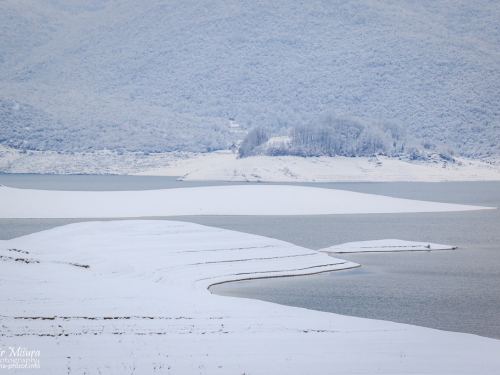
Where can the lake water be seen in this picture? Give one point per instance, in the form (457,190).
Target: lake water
(450,290)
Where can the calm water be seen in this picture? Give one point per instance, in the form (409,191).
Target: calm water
(451,290)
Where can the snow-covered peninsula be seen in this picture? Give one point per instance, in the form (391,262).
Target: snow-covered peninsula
(131,297)
(382,246)
(213,200)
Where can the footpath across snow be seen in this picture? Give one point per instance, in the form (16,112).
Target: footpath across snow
(214,200)
(130,297)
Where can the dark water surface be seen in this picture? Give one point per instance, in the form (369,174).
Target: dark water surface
(451,290)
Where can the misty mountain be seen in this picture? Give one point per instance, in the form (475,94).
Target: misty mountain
(168,75)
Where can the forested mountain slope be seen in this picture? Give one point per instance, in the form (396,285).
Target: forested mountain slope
(168,75)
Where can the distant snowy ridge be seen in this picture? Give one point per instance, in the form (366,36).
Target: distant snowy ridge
(165,76)
(389,245)
(141,305)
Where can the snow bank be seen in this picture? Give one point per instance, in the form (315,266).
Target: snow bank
(222,166)
(214,200)
(389,245)
(131,297)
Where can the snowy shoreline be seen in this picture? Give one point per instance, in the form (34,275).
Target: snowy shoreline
(135,298)
(224,166)
(212,200)
(349,267)
(384,246)
(133,295)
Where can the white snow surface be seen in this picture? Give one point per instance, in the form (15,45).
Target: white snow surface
(224,166)
(387,245)
(213,200)
(142,306)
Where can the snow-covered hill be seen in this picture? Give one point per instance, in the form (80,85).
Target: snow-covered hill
(162,76)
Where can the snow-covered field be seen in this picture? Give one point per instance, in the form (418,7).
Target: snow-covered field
(213,200)
(389,245)
(224,166)
(130,297)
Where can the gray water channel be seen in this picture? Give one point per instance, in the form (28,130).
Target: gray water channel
(451,290)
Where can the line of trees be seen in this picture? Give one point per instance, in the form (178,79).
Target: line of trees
(333,136)
(348,137)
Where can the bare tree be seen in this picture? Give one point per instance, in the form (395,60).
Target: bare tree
(254,139)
